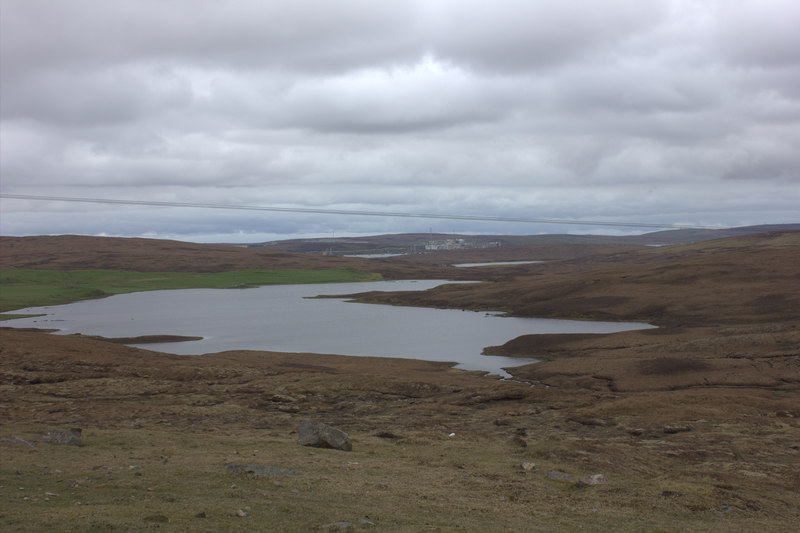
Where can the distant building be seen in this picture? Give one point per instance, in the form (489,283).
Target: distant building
(457,244)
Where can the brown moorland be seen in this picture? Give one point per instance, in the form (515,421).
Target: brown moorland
(694,425)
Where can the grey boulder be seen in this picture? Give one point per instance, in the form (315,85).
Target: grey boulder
(319,435)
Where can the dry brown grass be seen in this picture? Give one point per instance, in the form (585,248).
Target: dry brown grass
(696,427)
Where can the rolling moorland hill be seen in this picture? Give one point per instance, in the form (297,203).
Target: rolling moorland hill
(694,425)
(78,252)
(747,279)
(402,243)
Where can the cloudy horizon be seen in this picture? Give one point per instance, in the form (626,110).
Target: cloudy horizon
(666,112)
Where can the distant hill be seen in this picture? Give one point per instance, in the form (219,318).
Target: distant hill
(681,236)
(407,242)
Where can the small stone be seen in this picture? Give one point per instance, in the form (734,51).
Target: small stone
(240,513)
(261,470)
(528,466)
(594,479)
(282,398)
(673,429)
(338,526)
(518,441)
(71,437)
(560,476)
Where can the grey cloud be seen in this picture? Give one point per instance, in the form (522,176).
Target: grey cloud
(426,96)
(640,87)
(93,97)
(304,34)
(670,111)
(759,32)
(521,35)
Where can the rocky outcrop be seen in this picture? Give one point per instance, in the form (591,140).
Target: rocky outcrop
(321,435)
(71,437)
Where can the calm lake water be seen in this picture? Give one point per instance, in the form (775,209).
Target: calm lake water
(284,318)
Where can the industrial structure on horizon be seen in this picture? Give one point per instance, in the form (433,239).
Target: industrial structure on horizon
(458,244)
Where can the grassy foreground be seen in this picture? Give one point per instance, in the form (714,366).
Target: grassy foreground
(20,288)
(131,480)
(434,449)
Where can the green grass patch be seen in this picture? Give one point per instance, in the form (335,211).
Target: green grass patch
(33,288)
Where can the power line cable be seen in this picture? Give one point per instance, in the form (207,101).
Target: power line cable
(350,212)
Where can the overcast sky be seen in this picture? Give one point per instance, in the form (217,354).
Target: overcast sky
(654,111)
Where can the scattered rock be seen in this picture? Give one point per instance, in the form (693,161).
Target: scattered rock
(71,437)
(528,467)
(337,526)
(560,476)
(477,398)
(753,475)
(671,430)
(319,435)
(240,513)
(282,398)
(594,479)
(362,524)
(16,440)
(518,441)
(261,470)
(590,421)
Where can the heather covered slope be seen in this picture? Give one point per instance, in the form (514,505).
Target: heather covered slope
(79,252)
(728,311)
(695,425)
(433,448)
(748,279)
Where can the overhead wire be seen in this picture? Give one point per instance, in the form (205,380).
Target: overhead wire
(352,212)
